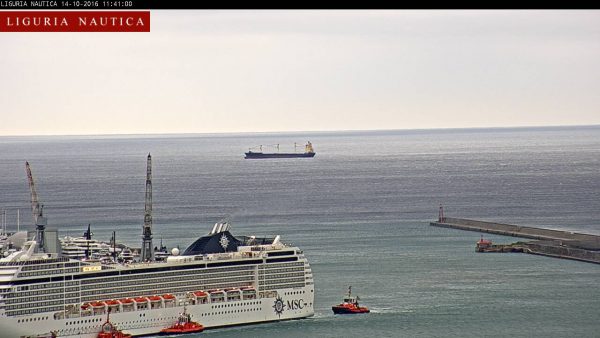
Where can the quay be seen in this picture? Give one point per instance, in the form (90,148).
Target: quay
(547,242)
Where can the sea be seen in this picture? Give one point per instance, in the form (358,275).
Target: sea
(360,211)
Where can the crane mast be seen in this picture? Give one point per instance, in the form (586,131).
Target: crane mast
(147,249)
(37,212)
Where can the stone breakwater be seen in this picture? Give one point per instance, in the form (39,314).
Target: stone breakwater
(548,242)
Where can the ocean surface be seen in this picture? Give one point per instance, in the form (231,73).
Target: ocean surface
(360,210)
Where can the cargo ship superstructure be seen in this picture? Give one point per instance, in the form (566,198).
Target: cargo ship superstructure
(220,280)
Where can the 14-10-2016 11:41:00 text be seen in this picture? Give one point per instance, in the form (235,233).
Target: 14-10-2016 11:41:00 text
(97,4)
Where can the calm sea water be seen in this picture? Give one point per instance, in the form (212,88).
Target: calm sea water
(360,211)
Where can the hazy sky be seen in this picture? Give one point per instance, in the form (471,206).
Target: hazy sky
(233,71)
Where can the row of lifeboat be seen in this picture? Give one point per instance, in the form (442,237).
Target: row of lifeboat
(220,295)
(169,299)
(127,303)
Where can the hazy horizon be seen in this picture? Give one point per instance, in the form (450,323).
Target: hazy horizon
(215,71)
(549,127)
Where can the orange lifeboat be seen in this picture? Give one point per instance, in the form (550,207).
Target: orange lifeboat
(97,304)
(113,305)
(140,299)
(168,296)
(183,325)
(126,301)
(200,294)
(155,298)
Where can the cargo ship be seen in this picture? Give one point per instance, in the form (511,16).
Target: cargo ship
(308,152)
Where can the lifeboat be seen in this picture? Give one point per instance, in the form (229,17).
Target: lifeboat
(155,298)
(97,304)
(233,294)
(127,304)
(140,299)
(168,296)
(350,305)
(113,305)
(200,294)
(199,297)
(248,292)
(183,325)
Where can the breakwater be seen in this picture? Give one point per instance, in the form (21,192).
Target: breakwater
(548,242)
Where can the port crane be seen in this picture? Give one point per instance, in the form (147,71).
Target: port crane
(147,248)
(37,212)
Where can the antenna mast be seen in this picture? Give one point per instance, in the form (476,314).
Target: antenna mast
(37,211)
(147,249)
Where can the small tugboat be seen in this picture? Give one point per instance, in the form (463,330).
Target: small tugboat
(184,324)
(350,305)
(110,331)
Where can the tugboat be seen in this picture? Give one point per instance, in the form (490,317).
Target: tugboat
(350,305)
(110,331)
(184,324)
(308,152)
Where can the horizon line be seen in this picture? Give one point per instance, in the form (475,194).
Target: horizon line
(309,131)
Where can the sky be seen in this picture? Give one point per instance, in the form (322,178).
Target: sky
(263,71)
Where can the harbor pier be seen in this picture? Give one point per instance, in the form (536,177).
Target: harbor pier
(547,242)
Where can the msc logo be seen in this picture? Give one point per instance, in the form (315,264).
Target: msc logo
(295,304)
(279,306)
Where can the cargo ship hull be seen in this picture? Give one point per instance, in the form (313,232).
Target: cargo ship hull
(253,155)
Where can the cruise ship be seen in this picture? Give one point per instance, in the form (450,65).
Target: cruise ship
(221,280)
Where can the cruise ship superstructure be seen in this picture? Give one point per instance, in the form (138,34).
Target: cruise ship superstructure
(221,280)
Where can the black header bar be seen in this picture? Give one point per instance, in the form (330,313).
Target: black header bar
(180,4)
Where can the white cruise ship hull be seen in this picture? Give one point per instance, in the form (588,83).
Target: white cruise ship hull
(297,304)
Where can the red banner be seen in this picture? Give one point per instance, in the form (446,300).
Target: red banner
(70,21)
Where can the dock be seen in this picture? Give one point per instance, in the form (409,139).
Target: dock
(547,242)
